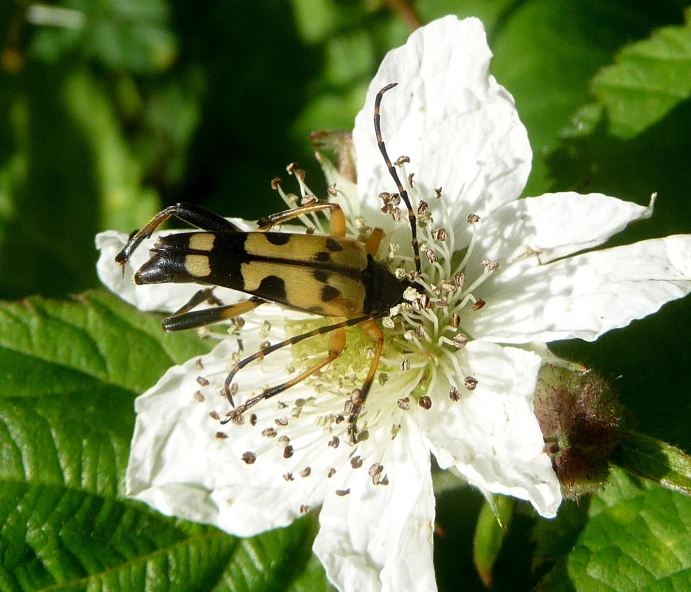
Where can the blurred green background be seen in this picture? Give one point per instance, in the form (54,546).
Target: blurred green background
(112,109)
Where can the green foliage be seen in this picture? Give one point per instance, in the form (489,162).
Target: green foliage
(650,78)
(637,538)
(154,101)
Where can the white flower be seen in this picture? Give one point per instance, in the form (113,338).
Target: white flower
(461,361)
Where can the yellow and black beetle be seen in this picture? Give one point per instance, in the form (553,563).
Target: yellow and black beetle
(332,276)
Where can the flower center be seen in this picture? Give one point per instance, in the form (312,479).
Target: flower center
(428,328)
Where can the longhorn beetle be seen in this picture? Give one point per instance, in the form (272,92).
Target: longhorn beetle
(332,276)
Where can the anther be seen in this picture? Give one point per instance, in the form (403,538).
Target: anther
(460,340)
(249,458)
(425,402)
(479,303)
(473,218)
(470,383)
(375,469)
(454,395)
(440,234)
(265,329)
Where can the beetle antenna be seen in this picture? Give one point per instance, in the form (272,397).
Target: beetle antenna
(401,190)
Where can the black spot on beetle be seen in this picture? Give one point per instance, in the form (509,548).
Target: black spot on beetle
(329,293)
(272,287)
(277,238)
(320,275)
(322,257)
(333,245)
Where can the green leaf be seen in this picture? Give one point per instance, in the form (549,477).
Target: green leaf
(71,371)
(491,529)
(649,79)
(638,537)
(655,460)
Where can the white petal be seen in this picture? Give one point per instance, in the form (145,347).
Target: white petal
(180,466)
(586,295)
(458,126)
(534,231)
(161,297)
(492,435)
(380,537)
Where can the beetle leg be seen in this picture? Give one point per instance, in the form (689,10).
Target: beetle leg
(336,217)
(190,213)
(200,296)
(359,396)
(180,321)
(373,241)
(335,346)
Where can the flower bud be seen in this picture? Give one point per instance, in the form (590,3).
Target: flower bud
(580,419)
